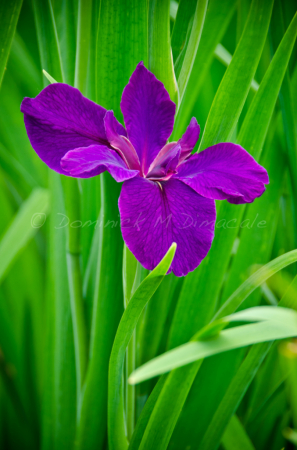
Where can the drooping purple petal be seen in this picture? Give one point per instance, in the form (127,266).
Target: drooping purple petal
(224,171)
(91,161)
(148,114)
(153,215)
(60,119)
(119,142)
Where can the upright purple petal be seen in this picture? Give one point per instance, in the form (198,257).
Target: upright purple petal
(189,139)
(60,119)
(153,215)
(165,165)
(120,142)
(224,171)
(183,147)
(91,161)
(148,113)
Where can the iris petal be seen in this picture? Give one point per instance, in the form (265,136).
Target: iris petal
(119,142)
(153,215)
(165,165)
(148,114)
(60,119)
(189,139)
(224,171)
(91,161)
(183,147)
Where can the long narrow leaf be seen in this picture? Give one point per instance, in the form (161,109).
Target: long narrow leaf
(228,308)
(237,337)
(251,137)
(123,336)
(29,218)
(231,95)
(159,49)
(236,437)
(246,372)
(9,14)
(217,19)
(192,46)
(117,55)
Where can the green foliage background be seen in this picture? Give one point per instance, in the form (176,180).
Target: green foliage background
(78,314)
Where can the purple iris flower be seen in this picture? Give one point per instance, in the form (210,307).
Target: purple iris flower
(168,193)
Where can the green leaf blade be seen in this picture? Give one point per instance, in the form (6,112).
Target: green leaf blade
(123,336)
(29,218)
(9,14)
(233,90)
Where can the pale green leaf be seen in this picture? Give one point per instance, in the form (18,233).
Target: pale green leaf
(30,217)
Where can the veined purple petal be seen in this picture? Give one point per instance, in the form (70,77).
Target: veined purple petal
(60,119)
(119,142)
(224,171)
(153,215)
(148,113)
(91,161)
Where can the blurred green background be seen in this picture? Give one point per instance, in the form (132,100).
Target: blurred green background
(95,45)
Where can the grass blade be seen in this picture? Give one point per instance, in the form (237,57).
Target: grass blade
(236,437)
(83,44)
(129,37)
(159,48)
(228,308)
(236,299)
(192,46)
(105,318)
(49,48)
(24,226)
(235,393)
(257,133)
(49,77)
(130,267)
(125,330)
(117,55)
(278,327)
(24,67)
(183,22)
(247,370)
(225,57)
(58,428)
(233,90)
(217,19)
(66,14)
(252,136)
(256,237)
(9,14)
(10,364)
(286,103)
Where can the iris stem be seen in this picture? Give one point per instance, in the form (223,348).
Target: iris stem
(79,331)
(130,406)
(130,360)
(72,204)
(71,193)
